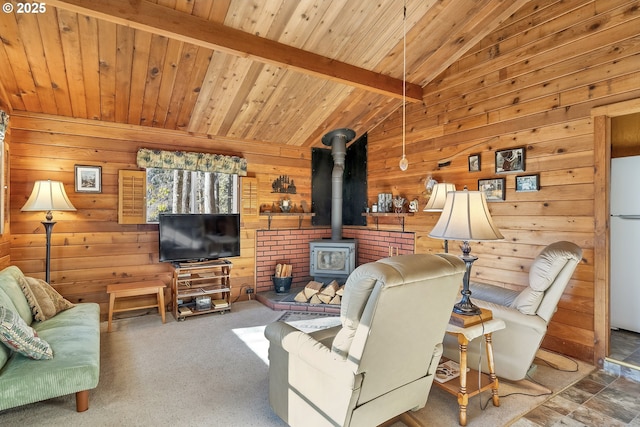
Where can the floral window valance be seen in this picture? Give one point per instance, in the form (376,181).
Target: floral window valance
(202,162)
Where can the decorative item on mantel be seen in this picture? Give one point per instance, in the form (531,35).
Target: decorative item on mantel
(285,205)
(384,202)
(283,184)
(398,204)
(413,206)
(429,183)
(301,208)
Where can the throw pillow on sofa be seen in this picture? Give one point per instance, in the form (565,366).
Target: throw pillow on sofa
(19,336)
(44,300)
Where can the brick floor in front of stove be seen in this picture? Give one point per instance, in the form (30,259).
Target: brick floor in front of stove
(276,301)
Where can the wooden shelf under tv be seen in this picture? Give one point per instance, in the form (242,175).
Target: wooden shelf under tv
(194,279)
(195,292)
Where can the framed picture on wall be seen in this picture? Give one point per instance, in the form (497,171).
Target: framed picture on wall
(493,188)
(474,163)
(88,179)
(511,160)
(528,182)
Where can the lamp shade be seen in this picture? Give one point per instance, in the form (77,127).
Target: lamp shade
(48,196)
(438,197)
(466,217)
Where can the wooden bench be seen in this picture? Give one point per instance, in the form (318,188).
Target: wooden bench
(135,289)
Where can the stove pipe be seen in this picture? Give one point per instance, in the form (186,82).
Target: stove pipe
(337,140)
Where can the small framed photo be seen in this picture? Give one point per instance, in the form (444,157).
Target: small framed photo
(494,189)
(528,182)
(511,160)
(88,179)
(474,163)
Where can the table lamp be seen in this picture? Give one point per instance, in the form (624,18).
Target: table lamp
(466,217)
(48,196)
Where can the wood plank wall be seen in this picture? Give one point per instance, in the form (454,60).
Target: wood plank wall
(89,248)
(531,83)
(5,236)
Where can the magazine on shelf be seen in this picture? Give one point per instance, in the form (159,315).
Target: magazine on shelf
(184,310)
(220,303)
(447,370)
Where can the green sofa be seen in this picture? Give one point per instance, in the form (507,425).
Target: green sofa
(74,338)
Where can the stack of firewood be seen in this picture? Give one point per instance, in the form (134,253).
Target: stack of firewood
(283,270)
(317,293)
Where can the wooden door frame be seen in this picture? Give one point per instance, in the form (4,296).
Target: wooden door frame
(601,246)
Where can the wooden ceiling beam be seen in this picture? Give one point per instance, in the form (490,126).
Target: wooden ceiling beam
(173,24)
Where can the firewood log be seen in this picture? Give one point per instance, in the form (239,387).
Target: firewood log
(301,297)
(340,290)
(315,299)
(330,289)
(336,300)
(324,298)
(312,288)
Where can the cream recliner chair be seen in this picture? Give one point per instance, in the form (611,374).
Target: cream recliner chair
(526,313)
(381,360)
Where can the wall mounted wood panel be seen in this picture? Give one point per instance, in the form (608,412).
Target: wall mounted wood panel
(531,83)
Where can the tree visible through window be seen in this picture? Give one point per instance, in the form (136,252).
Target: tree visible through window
(182,191)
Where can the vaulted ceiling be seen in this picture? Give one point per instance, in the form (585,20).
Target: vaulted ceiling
(272,71)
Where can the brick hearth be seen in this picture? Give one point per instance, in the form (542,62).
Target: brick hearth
(291,246)
(277,301)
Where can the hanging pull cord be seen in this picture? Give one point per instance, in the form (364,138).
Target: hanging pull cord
(404,163)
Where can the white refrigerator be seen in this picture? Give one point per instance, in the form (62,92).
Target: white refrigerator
(625,241)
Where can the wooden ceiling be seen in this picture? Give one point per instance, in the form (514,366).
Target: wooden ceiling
(272,71)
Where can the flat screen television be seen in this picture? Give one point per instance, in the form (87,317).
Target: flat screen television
(198,237)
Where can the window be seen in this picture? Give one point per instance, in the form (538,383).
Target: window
(183,191)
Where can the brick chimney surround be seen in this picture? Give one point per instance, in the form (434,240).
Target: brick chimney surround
(292,247)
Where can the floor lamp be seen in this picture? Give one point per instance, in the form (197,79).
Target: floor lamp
(466,217)
(48,196)
(436,202)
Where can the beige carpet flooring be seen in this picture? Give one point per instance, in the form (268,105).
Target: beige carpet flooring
(212,371)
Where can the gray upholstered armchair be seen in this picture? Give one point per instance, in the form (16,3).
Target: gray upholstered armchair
(525,313)
(381,360)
